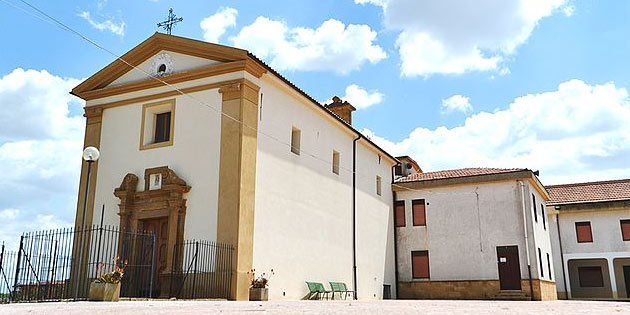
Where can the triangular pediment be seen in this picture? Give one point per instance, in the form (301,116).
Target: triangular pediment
(183,54)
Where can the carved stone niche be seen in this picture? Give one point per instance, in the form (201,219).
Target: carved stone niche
(160,208)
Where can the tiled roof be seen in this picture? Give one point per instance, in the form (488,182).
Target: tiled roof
(462,172)
(590,192)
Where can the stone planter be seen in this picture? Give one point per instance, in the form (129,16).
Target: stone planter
(258,294)
(104,291)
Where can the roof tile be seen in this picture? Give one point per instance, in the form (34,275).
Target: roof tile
(590,192)
(462,172)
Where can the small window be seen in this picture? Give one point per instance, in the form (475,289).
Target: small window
(535,211)
(419,212)
(157,124)
(625,230)
(335,162)
(295,140)
(583,232)
(399,213)
(162,127)
(544,217)
(549,265)
(591,277)
(378,185)
(420,264)
(540,263)
(162,68)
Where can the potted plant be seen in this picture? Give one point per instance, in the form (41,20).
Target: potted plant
(259,291)
(107,286)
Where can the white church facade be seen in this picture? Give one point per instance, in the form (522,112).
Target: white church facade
(202,141)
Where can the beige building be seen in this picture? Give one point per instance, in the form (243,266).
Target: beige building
(203,141)
(590,232)
(476,233)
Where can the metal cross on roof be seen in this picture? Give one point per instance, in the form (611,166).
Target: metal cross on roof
(170,21)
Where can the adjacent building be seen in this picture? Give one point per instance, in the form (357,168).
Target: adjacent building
(475,233)
(590,232)
(203,141)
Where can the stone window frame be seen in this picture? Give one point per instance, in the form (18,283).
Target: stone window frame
(151,110)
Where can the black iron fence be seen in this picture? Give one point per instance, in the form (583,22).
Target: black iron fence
(202,269)
(48,267)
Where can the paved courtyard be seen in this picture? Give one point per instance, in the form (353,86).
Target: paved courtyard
(321,307)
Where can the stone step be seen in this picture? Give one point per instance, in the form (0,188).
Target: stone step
(511,296)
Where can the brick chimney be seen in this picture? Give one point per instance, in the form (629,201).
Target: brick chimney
(343,109)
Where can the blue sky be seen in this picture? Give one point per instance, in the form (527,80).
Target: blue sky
(536,84)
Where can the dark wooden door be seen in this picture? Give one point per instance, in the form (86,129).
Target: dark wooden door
(509,267)
(626,277)
(159,227)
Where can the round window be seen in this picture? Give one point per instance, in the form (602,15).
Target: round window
(162,68)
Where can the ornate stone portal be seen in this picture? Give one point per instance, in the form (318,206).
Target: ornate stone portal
(161,209)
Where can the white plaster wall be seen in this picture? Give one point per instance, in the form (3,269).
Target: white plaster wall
(194,156)
(180,62)
(607,238)
(462,232)
(605,227)
(541,235)
(303,219)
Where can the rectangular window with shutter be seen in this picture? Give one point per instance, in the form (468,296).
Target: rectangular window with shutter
(625,230)
(591,277)
(399,213)
(544,216)
(549,265)
(420,264)
(419,212)
(583,231)
(534,205)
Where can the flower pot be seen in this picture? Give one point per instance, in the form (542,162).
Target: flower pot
(258,294)
(104,291)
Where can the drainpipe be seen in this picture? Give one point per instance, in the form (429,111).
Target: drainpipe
(354,214)
(529,265)
(564,277)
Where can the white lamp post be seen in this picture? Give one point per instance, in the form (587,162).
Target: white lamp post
(90,155)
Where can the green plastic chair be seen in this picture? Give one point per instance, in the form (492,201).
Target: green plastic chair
(316,288)
(341,288)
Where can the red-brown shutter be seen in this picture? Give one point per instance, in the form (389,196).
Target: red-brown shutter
(419,212)
(420,264)
(625,230)
(583,231)
(399,213)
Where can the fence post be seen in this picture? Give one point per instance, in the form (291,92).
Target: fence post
(17,265)
(153,266)
(195,269)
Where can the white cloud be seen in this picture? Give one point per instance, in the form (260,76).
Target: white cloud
(360,98)
(332,46)
(215,25)
(456,103)
(580,132)
(568,10)
(454,36)
(40,151)
(117,28)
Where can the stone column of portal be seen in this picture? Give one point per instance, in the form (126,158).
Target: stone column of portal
(237,179)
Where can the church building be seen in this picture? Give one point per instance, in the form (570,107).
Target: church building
(203,141)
